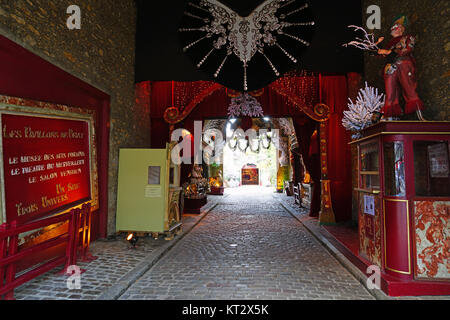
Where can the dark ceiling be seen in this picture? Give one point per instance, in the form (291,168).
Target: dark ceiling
(243,7)
(159,55)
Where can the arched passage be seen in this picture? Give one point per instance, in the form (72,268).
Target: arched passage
(179,104)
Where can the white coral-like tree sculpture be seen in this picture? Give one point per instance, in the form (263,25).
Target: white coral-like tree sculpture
(360,113)
(245,105)
(367,44)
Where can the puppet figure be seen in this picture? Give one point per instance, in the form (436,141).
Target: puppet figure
(400,73)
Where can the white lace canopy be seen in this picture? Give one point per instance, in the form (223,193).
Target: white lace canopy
(246,36)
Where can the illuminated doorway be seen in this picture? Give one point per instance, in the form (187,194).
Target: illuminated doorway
(240,161)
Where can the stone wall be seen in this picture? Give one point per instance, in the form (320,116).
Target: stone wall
(102,54)
(429,21)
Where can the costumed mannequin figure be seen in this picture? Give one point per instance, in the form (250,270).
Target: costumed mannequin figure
(197,187)
(400,73)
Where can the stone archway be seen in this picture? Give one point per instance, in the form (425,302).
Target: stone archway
(286,87)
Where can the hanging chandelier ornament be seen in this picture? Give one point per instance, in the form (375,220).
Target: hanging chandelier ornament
(246,53)
(232,143)
(245,105)
(244,142)
(250,140)
(265,141)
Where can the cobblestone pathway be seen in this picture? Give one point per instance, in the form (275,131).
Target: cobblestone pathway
(248,247)
(115,259)
(116,263)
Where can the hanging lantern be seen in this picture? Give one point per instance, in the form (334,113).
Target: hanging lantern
(243,144)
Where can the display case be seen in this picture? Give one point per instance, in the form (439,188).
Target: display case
(404,199)
(250,175)
(148,197)
(216,179)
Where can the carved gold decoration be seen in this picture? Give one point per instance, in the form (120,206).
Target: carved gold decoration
(326,215)
(172,115)
(322,111)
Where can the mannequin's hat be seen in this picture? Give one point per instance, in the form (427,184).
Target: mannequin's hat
(400,21)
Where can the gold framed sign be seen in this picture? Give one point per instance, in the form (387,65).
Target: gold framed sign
(48,162)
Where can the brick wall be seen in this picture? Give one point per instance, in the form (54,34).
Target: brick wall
(428,20)
(101,54)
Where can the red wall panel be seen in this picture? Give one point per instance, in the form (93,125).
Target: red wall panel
(26,75)
(397,238)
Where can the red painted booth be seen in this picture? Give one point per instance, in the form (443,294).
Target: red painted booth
(404,205)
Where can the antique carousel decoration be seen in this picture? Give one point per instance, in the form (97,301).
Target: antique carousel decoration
(255,50)
(399,71)
(216,180)
(364,111)
(198,186)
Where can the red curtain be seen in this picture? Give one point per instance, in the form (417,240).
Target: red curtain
(160,99)
(213,106)
(335,94)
